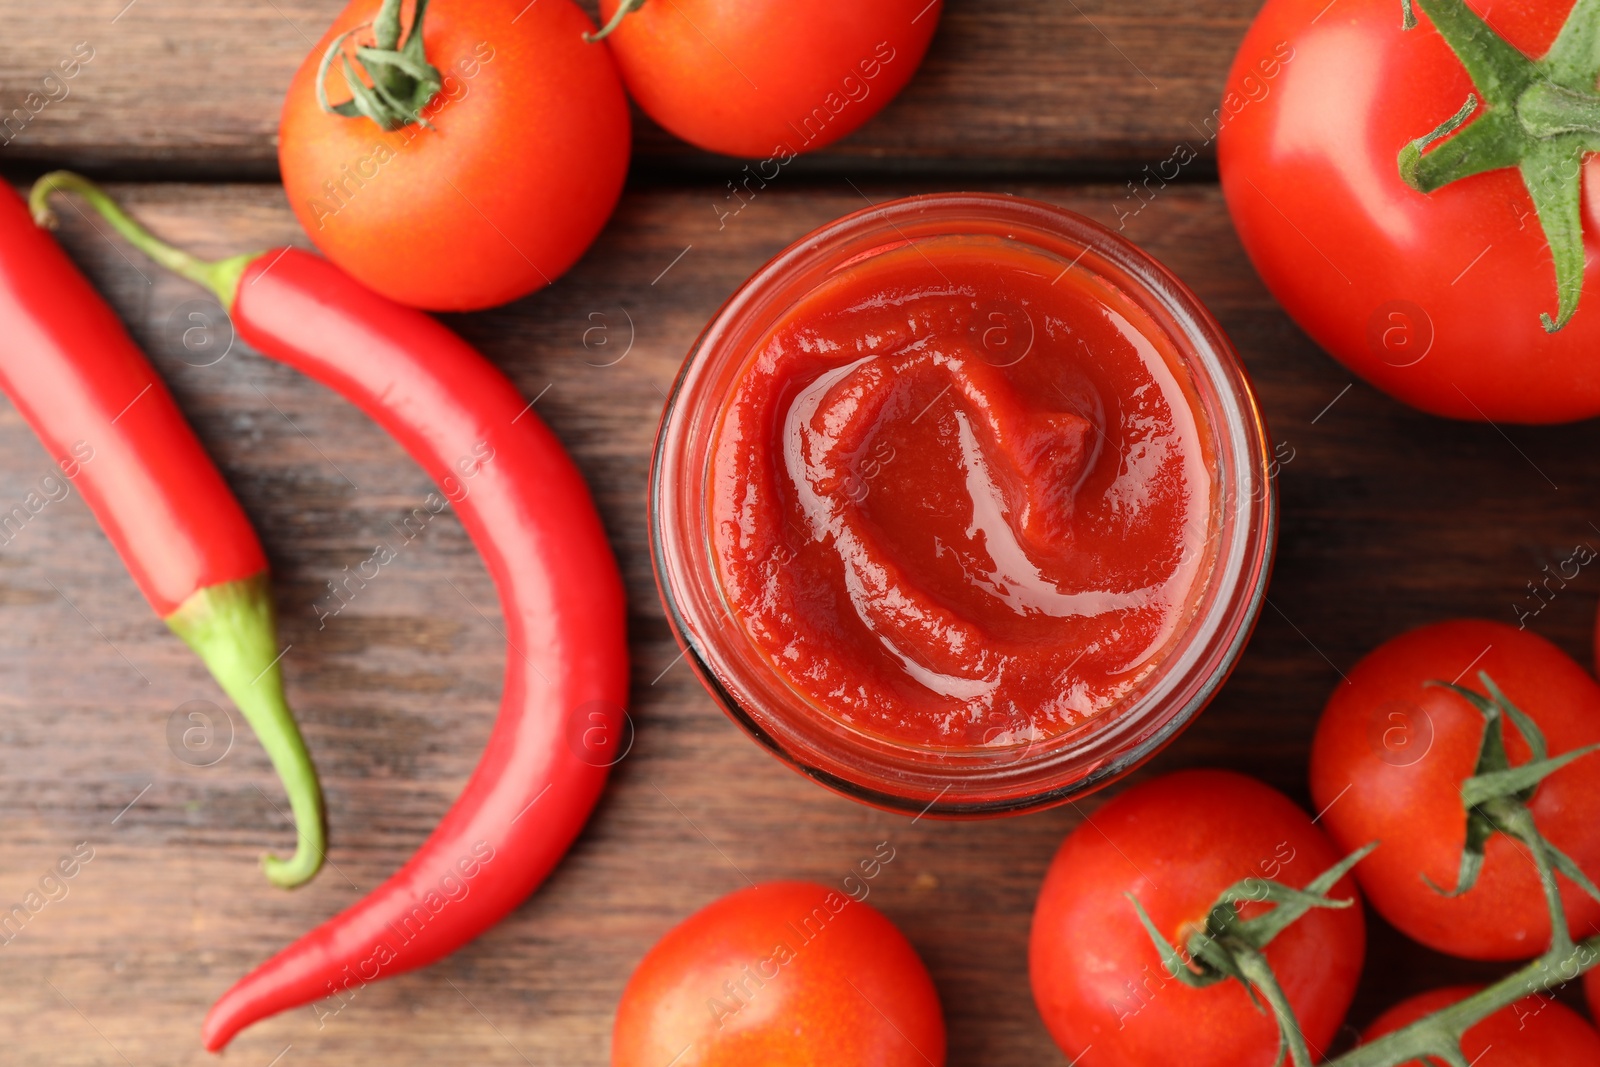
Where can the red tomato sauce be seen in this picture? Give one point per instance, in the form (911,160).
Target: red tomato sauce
(961,494)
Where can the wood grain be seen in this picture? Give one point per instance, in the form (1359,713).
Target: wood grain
(187,88)
(1391,519)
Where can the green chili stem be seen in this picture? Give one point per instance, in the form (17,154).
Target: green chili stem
(220,276)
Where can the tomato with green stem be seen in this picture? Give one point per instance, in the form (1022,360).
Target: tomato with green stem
(785,974)
(766,79)
(1460,746)
(1538,1031)
(455,156)
(1415,197)
(1184,881)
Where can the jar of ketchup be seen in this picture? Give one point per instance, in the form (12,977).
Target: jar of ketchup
(962,505)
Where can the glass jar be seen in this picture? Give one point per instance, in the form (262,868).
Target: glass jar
(956,781)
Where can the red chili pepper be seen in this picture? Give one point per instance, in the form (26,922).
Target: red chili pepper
(110,424)
(527,509)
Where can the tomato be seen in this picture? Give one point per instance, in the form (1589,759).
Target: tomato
(1591,992)
(768,79)
(524,160)
(1176,843)
(1433,297)
(1534,1032)
(1388,761)
(786,974)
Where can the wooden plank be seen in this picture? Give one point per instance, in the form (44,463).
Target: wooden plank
(185,87)
(1381,532)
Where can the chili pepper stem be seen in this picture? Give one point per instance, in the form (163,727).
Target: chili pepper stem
(220,276)
(231,626)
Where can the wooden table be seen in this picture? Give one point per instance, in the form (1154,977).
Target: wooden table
(1390,519)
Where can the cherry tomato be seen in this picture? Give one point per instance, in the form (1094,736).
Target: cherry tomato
(1433,297)
(1388,761)
(787,974)
(1535,1032)
(524,160)
(1176,843)
(768,79)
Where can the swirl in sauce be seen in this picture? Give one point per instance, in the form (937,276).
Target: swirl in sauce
(961,495)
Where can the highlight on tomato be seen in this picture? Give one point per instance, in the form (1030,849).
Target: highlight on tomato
(1170,920)
(1537,1031)
(458,155)
(1465,748)
(785,974)
(766,79)
(1409,179)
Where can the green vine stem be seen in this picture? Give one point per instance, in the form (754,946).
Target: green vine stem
(624,9)
(1541,116)
(1495,797)
(1494,801)
(1439,1035)
(1231,947)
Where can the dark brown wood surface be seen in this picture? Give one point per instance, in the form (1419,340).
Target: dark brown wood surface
(1390,519)
(178,87)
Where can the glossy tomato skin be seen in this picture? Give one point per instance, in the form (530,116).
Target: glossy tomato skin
(1434,298)
(523,167)
(785,974)
(1537,1031)
(1387,765)
(769,79)
(1176,843)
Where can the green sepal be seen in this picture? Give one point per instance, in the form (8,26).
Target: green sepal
(1177,966)
(1554,181)
(403,82)
(1495,797)
(1576,51)
(1514,781)
(1291,904)
(1230,947)
(1483,146)
(1540,116)
(1497,68)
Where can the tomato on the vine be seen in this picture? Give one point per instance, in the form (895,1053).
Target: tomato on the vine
(1392,751)
(470,194)
(767,79)
(1435,297)
(1175,844)
(1537,1031)
(785,974)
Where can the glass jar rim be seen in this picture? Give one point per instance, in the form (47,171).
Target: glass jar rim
(985,780)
